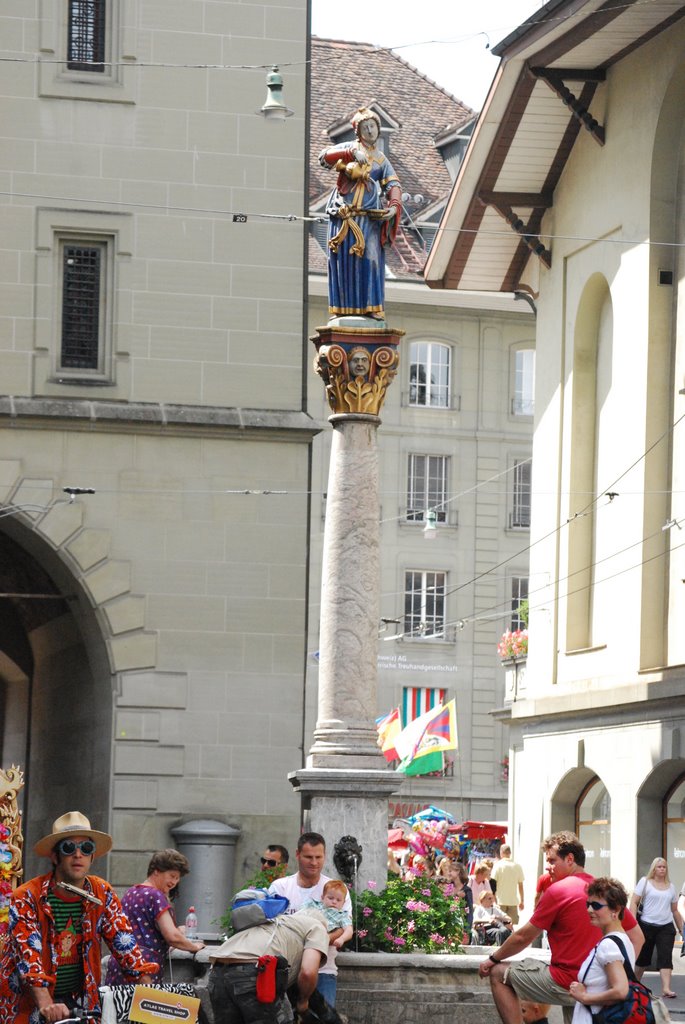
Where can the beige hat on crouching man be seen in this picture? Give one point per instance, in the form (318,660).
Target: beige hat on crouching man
(73,823)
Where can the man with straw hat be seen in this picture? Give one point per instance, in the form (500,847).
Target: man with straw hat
(51,962)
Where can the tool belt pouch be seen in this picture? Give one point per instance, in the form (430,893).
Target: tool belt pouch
(272,978)
(282,970)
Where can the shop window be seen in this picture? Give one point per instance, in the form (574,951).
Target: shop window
(593,827)
(674,828)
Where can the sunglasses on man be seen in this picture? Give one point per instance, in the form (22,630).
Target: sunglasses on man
(67,847)
(267,862)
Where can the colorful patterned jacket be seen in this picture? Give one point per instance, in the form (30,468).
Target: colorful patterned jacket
(30,956)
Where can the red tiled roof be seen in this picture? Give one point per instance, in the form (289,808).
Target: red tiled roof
(349,75)
(346,76)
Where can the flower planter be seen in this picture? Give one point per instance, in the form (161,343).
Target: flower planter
(514,678)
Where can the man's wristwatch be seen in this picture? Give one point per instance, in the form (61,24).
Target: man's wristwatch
(491,957)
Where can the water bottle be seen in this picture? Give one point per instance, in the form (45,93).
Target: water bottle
(191,924)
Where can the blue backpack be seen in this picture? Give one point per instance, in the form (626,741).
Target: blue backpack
(251,907)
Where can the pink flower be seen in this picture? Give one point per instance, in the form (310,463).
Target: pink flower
(437,938)
(367,911)
(370,885)
(398,941)
(426,892)
(448,889)
(411,925)
(362,933)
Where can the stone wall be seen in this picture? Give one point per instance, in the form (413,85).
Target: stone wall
(397,988)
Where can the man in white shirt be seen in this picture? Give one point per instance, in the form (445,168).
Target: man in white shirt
(307,884)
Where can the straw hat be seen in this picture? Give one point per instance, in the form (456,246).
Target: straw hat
(73,823)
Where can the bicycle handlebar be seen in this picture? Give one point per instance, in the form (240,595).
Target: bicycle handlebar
(77,1017)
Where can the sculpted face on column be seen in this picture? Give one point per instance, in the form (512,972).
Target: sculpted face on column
(359,364)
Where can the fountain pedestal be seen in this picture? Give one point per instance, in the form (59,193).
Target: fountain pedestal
(346,785)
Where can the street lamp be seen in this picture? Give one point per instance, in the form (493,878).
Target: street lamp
(274,109)
(430,530)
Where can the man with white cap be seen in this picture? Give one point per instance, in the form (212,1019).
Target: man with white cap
(51,962)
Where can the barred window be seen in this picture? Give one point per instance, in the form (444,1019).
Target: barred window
(520,514)
(86,35)
(427,487)
(82,305)
(424,604)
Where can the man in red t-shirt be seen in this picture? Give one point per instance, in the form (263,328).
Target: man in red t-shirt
(562,913)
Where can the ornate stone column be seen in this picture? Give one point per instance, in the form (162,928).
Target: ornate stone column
(346,784)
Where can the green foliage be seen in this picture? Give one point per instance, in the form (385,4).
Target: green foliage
(523,612)
(420,916)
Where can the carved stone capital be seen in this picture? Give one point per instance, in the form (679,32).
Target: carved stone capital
(357,364)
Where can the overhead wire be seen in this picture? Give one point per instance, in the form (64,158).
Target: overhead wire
(667,433)
(584,511)
(505,612)
(505,608)
(245,216)
(529,23)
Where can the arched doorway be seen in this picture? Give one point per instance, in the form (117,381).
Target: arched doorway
(55,687)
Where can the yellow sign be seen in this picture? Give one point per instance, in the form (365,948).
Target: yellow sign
(153,1006)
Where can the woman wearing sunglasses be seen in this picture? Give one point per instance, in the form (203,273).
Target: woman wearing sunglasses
(149,910)
(657,900)
(602,977)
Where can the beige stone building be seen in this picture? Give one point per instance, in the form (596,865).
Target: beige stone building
(151,349)
(454,440)
(574,190)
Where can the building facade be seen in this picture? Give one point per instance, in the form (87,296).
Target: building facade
(587,200)
(151,283)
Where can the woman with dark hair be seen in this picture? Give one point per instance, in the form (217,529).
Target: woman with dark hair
(602,977)
(151,915)
(659,899)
